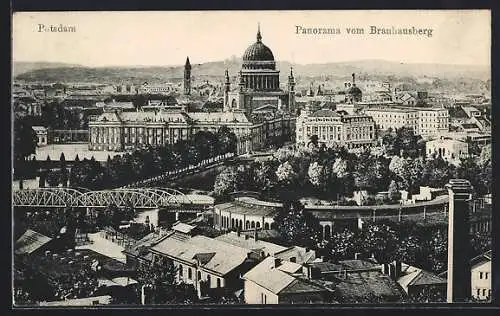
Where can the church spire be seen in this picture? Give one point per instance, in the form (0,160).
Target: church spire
(259,36)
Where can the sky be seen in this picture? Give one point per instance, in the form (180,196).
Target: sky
(158,38)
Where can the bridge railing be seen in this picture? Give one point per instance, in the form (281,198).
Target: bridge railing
(137,198)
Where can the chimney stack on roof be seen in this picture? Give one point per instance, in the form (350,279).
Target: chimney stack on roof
(397,268)
(392,271)
(277,262)
(385,268)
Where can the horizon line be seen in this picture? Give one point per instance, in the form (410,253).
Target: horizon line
(239,58)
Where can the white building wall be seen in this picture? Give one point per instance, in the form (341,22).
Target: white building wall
(481,281)
(256,294)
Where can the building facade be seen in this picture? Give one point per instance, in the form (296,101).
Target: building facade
(258,82)
(393,118)
(335,128)
(246,213)
(424,121)
(257,112)
(210,265)
(481,276)
(450,150)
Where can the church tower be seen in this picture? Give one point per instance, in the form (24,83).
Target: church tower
(227,87)
(241,94)
(187,77)
(291,91)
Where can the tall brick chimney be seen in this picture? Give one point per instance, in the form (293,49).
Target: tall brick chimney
(459,280)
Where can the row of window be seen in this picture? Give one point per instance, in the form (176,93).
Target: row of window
(483,292)
(190,275)
(483,274)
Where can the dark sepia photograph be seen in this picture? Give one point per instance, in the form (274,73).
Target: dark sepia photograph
(246,158)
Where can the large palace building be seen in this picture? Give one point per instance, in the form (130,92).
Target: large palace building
(336,128)
(257,111)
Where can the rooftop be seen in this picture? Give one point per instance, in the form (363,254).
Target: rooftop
(240,207)
(225,259)
(250,243)
(411,275)
(29,242)
(279,279)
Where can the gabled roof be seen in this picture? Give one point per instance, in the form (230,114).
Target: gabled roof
(269,277)
(411,275)
(204,258)
(485,257)
(227,257)
(29,242)
(358,265)
(250,243)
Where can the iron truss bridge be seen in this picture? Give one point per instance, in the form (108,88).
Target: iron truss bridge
(134,197)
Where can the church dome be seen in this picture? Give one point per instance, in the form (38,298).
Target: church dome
(258,51)
(354,91)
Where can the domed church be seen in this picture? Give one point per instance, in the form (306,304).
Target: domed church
(259,83)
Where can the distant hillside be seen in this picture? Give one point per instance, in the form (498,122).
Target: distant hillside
(24,67)
(371,69)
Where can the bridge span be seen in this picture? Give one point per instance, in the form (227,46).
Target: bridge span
(142,198)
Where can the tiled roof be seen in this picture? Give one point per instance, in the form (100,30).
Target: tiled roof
(250,243)
(324,113)
(265,275)
(183,228)
(29,242)
(141,247)
(411,275)
(290,267)
(324,267)
(227,257)
(302,285)
(247,209)
(228,117)
(358,265)
(481,258)
(427,278)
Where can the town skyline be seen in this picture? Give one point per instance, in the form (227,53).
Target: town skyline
(113,39)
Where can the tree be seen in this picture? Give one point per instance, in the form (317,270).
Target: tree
(63,170)
(344,244)
(380,240)
(314,141)
(485,156)
(283,154)
(316,175)
(436,172)
(160,278)
(438,251)
(285,173)
(468,169)
(25,142)
(227,140)
(225,182)
(296,226)
(393,191)
(265,177)
(53,178)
